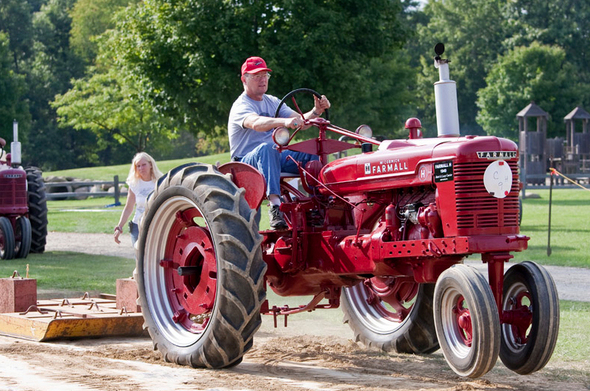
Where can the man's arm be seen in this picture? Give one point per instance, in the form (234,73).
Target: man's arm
(262,124)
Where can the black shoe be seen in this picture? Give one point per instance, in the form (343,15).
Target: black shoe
(276,219)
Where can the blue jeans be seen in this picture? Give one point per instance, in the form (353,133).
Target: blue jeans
(134,232)
(270,162)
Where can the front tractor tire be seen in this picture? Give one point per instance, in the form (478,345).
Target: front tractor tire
(200,271)
(467,321)
(22,237)
(392,314)
(529,340)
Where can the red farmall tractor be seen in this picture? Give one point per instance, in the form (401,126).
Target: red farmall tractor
(383,234)
(23,205)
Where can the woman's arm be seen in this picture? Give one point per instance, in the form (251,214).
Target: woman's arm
(127,210)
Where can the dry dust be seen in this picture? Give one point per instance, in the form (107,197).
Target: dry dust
(310,354)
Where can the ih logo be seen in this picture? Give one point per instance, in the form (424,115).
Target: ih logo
(367,168)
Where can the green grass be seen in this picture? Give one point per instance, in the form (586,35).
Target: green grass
(69,273)
(95,215)
(571,358)
(570,228)
(87,216)
(573,342)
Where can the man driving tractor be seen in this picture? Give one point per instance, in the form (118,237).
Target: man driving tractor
(250,128)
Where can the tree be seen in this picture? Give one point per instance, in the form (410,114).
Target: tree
(91,18)
(107,104)
(187,55)
(15,21)
(537,73)
(559,22)
(12,89)
(473,34)
(48,71)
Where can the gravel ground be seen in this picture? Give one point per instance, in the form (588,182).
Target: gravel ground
(572,283)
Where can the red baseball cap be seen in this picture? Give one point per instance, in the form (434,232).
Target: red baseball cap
(254,65)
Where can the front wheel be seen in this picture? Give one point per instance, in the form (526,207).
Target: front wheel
(392,314)
(200,271)
(467,321)
(22,237)
(531,305)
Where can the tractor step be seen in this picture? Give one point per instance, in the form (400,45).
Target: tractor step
(72,318)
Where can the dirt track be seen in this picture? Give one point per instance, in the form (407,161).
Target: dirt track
(311,354)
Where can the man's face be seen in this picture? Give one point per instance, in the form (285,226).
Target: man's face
(257,83)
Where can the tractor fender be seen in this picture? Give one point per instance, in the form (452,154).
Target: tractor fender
(245,176)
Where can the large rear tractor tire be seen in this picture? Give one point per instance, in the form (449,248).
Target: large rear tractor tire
(529,340)
(37,209)
(467,321)
(200,271)
(6,239)
(22,237)
(392,314)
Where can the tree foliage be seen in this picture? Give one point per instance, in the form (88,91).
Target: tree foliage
(187,54)
(12,89)
(536,73)
(91,18)
(16,22)
(106,102)
(473,38)
(48,72)
(483,36)
(562,23)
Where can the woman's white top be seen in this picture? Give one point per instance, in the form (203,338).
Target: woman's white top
(141,189)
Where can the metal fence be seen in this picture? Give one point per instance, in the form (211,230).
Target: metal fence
(75,189)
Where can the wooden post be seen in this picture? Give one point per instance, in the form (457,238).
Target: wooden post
(550,202)
(117,191)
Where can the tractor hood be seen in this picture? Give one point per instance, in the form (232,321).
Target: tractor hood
(408,163)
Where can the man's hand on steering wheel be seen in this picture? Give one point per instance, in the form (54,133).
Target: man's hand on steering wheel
(295,122)
(320,105)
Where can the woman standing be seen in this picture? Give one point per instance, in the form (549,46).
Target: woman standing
(142,178)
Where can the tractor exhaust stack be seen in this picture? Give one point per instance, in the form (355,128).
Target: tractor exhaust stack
(445,95)
(15,148)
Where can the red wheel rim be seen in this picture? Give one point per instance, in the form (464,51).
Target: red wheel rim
(190,271)
(463,319)
(396,292)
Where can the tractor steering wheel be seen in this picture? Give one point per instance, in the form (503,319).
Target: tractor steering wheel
(292,94)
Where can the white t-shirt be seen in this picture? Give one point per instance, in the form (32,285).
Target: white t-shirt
(243,140)
(141,189)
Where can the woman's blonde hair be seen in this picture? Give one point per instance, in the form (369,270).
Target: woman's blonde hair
(134,175)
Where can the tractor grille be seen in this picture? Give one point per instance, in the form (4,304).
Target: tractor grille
(475,207)
(13,192)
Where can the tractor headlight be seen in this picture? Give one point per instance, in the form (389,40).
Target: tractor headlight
(281,136)
(365,131)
